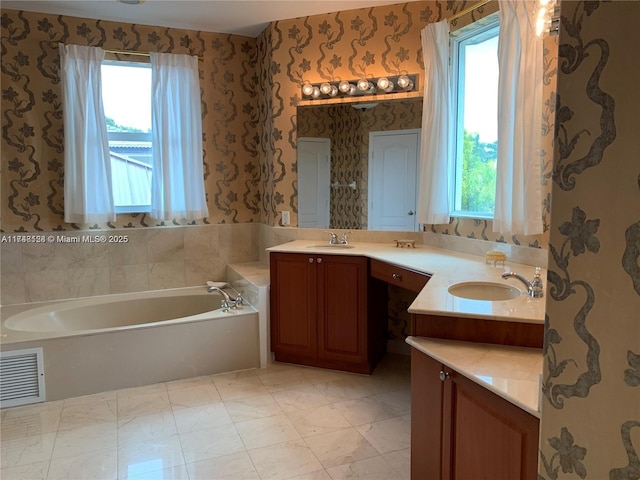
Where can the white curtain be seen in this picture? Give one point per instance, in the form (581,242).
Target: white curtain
(177,189)
(520,55)
(88,197)
(435,148)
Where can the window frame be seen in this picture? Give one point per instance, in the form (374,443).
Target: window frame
(489,28)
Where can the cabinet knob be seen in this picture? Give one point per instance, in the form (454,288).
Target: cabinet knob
(444,375)
(311,260)
(319,260)
(396,276)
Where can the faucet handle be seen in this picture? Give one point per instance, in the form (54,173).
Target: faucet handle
(345,240)
(333,238)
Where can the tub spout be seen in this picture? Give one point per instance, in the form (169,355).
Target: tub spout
(228,301)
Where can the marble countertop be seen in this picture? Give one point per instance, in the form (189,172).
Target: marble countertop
(446,267)
(510,372)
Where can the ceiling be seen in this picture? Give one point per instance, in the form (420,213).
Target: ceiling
(240,17)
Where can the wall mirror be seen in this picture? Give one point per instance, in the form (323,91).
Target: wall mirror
(357,165)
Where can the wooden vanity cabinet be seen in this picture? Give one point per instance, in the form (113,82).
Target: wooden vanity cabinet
(462,431)
(324,312)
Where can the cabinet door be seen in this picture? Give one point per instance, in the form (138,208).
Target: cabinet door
(484,436)
(342,308)
(293,306)
(426,417)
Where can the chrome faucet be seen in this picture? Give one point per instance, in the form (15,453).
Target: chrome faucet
(345,240)
(228,302)
(333,239)
(535,288)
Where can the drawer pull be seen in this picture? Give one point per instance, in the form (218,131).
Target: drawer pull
(444,375)
(396,276)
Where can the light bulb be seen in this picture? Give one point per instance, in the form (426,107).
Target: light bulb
(325,88)
(405,82)
(344,86)
(385,84)
(334,91)
(307,89)
(316,92)
(363,84)
(352,90)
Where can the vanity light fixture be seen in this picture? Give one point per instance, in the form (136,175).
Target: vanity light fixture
(363,86)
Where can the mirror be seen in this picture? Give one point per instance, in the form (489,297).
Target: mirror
(342,131)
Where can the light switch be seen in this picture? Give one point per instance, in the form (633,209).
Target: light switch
(286,218)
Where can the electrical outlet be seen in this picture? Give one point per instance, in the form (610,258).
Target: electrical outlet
(286,217)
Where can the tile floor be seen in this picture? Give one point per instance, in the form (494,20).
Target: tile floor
(284,422)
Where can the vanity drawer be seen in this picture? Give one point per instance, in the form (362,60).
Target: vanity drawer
(400,276)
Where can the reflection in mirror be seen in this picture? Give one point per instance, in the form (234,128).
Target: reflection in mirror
(347,128)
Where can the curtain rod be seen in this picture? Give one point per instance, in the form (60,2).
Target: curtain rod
(462,13)
(131,52)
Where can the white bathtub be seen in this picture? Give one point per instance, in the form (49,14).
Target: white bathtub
(110,342)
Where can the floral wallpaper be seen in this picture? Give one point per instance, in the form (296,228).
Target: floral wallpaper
(591,380)
(32,122)
(348,129)
(364,43)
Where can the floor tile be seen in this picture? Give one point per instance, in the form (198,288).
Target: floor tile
(149,456)
(143,402)
(201,418)
(101,465)
(284,460)
(338,448)
(267,431)
(31,422)
(33,471)
(26,450)
(251,408)
(215,442)
(90,412)
(193,396)
(375,468)
(232,388)
(300,397)
(237,466)
(388,435)
(400,461)
(365,410)
(314,421)
(343,389)
(179,472)
(319,475)
(87,439)
(189,382)
(146,427)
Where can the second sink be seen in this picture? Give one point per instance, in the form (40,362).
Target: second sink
(484,291)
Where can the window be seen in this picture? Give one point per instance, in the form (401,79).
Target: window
(475,98)
(126,96)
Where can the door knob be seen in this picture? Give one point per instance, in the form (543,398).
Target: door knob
(319,260)
(311,260)
(410,212)
(395,276)
(444,375)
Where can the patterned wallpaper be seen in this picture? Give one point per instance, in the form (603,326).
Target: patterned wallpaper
(591,381)
(351,44)
(32,122)
(348,129)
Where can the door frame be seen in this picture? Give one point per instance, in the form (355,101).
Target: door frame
(326,141)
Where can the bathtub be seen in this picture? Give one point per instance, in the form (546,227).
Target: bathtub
(110,342)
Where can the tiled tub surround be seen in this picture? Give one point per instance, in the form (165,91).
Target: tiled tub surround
(280,422)
(87,360)
(150,259)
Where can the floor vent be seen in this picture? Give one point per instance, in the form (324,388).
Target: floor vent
(21,377)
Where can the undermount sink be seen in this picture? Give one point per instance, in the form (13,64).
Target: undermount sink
(484,291)
(330,245)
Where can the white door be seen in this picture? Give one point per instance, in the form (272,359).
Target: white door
(314,165)
(393,174)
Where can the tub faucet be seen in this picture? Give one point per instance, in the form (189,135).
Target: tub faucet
(228,302)
(535,287)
